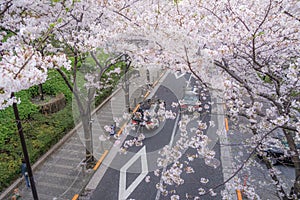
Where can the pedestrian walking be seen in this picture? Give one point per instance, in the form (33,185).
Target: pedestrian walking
(16,195)
(112,130)
(25,173)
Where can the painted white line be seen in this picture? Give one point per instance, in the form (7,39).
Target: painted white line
(170,144)
(174,130)
(189,81)
(123,192)
(179,74)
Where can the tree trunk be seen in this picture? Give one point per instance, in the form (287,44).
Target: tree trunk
(41,92)
(85,116)
(87,129)
(296,161)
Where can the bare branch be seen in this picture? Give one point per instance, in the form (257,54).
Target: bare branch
(213,13)
(190,67)
(8,4)
(232,74)
(264,19)
(291,15)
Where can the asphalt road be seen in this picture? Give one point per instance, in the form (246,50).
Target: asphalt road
(132,175)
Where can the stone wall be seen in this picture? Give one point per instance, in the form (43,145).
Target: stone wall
(54,105)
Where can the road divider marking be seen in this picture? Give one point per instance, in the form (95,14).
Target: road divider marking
(100,161)
(124,189)
(147,94)
(75,197)
(226,124)
(136,108)
(122,128)
(154,84)
(239,195)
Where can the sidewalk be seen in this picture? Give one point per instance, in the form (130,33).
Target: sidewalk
(59,174)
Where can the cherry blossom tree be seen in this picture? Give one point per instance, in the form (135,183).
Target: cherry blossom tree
(83,34)
(22,65)
(257,45)
(72,28)
(254,44)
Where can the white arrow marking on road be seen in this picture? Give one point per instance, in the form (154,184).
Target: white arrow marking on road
(123,192)
(178,75)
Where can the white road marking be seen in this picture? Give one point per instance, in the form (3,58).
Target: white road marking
(178,74)
(123,192)
(170,144)
(189,81)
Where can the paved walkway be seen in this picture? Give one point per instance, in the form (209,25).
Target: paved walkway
(59,174)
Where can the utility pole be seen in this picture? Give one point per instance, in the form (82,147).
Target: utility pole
(24,148)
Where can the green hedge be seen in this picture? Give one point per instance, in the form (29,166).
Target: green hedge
(40,131)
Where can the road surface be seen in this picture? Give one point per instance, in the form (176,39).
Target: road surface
(134,175)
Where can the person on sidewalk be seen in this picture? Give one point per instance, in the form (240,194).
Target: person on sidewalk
(25,173)
(16,195)
(112,130)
